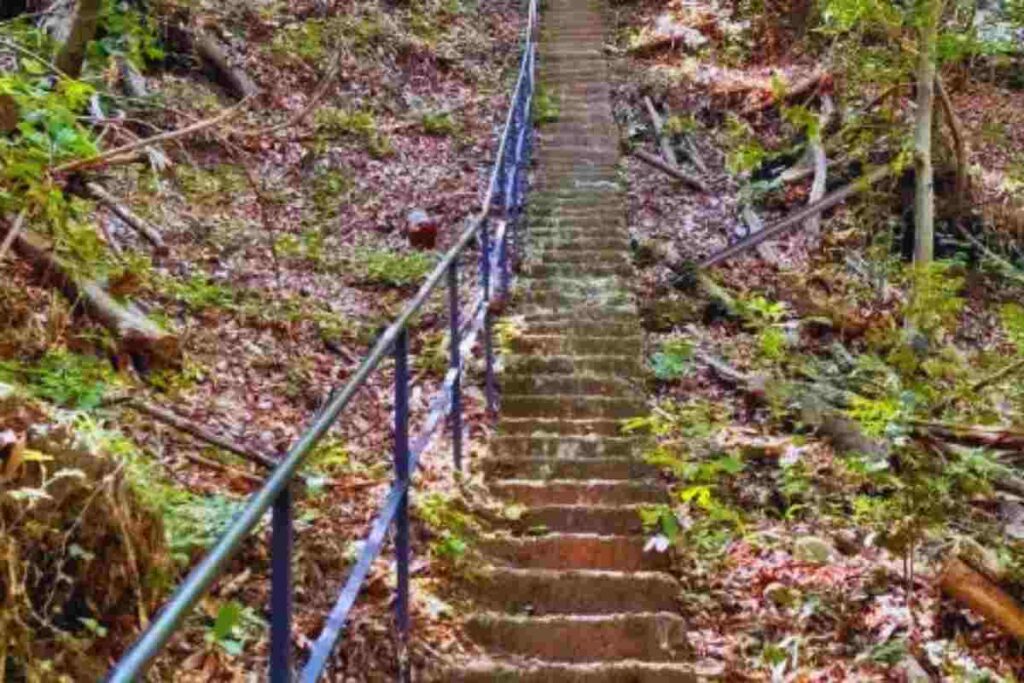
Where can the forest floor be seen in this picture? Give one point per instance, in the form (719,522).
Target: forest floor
(288,253)
(800,557)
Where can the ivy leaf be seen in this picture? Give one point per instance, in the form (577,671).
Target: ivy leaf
(228,617)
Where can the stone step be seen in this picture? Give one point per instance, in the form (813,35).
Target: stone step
(559,426)
(544,591)
(577,491)
(586,328)
(574,551)
(575,256)
(544,385)
(654,636)
(567,468)
(576,345)
(574,407)
(542,245)
(571,303)
(581,519)
(563,270)
(566,447)
(623,671)
(622,366)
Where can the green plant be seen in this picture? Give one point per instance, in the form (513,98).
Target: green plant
(440,124)
(545,106)
(199,293)
(386,267)
(62,377)
(361,125)
(451,525)
(126,31)
(234,626)
(672,361)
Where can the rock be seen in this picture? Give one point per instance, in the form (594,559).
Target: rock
(813,549)
(781,595)
(422,229)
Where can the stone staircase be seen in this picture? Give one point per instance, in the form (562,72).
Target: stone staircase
(570,594)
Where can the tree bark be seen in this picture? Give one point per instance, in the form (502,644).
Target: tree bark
(924,196)
(148,345)
(83,28)
(984,596)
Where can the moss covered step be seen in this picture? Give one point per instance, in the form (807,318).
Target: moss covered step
(596,385)
(568,345)
(580,519)
(574,551)
(577,256)
(535,671)
(577,491)
(612,364)
(566,447)
(545,469)
(559,426)
(544,591)
(572,407)
(657,636)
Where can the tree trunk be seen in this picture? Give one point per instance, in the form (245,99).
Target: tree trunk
(924,198)
(83,28)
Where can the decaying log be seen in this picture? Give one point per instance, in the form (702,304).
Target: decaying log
(799,217)
(233,78)
(201,433)
(659,134)
(658,163)
(975,590)
(97,192)
(149,346)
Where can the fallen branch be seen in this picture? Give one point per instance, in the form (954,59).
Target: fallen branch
(189,427)
(97,192)
(659,134)
(676,173)
(213,53)
(799,217)
(12,234)
(959,145)
(976,435)
(819,162)
(798,89)
(221,467)
(149,346)
(975,590)
(1009,270)
(132,147)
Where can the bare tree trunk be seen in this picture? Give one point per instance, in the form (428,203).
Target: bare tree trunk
(83,28)
(956,129)
(924,201)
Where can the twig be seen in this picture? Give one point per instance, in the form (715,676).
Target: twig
(13,234)
(80,164)
(658,163)
(213,464)
(200,433)
(1009,270)
(97,192)
(659,134)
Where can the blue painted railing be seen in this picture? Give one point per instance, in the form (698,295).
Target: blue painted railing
(496,229)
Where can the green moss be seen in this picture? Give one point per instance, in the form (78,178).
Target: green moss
(441,124)
(385,267)
(545,106)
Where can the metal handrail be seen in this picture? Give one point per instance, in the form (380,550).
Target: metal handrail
(505,192)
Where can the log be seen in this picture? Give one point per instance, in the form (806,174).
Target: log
(798,217)
(97,192)
(201,433)
(216,57)
(149,346)
(658,163)
(973,589)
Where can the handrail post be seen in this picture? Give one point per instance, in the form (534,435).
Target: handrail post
(454,362)
(281,588)
(402,476)
(490,390)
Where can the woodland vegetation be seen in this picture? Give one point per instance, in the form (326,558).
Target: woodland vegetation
(209,209)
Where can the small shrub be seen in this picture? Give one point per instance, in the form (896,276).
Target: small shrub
(62,377)
(545,106)
(441,124)
(384,267)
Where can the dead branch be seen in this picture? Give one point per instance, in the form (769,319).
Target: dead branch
(799,217)
(819,163)
(984,596)
(132,147)
(201,433)
(142,339)
(659,134)
(97,192)
(975,435)
(221,467)
(959,145)
(658,163)
(216,57)
(12,234)
(795,91)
